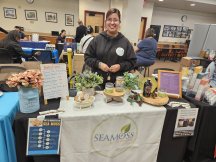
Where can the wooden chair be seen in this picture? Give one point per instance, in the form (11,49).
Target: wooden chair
(165,51)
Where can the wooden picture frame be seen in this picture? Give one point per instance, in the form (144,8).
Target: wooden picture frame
(171,82)
(51,17)
(31,15)
(10,13)
(69,20)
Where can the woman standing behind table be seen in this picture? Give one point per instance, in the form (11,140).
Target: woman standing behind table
(110,54)
(146,49)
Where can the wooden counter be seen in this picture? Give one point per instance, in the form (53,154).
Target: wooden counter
(42,36)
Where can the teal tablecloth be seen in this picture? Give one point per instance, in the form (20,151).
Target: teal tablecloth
(9,105)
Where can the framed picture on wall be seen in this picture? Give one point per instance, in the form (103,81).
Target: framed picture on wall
(69,20)
(51,17)
(166,27)
(31,15)
(10,13)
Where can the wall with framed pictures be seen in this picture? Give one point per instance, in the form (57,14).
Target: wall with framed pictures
(40,16)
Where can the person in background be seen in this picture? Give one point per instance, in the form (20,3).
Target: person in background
(146,49)
(80,31)
(60,41)
(61,37)
(85,42)
(11,43)
(22,35)
(3,30)
(110,53)
(211,69)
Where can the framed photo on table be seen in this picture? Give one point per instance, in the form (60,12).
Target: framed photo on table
(69,20)
(10,13)
(31,15)
(51,17)
(170,82)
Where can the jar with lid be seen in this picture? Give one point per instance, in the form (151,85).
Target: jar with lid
(119,84)
(109,87)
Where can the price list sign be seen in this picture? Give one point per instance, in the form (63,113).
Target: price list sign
(43,136)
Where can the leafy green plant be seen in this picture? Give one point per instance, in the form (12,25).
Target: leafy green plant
(131,81)
(87,79)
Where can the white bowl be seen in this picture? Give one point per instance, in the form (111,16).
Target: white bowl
(85,103)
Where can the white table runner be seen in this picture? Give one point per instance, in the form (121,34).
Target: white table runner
(110,132)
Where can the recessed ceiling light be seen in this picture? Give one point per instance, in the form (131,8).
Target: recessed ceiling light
(192,4)
(160,0)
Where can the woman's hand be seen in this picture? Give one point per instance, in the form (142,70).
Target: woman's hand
(37,53)
(104,67)
(114,68)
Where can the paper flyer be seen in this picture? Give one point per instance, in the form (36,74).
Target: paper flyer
(43,136)
(185,122)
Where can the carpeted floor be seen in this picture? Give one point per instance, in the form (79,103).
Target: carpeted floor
(167,64)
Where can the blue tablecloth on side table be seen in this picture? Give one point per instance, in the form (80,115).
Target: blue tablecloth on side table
(9,105)
(30,44)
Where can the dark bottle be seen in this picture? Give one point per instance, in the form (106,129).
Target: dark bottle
(147,88)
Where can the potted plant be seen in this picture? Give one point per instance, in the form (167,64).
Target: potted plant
(87,81)
(131,81)
(27,83)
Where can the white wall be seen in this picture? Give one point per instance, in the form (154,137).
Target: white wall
(131,17)
(131,10)
(61,7)
(92,5)
(165,16)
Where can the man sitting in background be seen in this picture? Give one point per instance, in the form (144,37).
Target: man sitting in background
(60,40)
(22,35)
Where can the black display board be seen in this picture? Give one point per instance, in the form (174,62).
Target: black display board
(175,31)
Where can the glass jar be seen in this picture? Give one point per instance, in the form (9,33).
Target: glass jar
(162,93)
(119,84)
(109,87)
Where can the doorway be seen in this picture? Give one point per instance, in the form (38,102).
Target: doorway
(95,19)
(142,28)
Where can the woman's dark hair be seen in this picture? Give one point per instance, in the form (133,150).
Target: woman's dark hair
(113,10)
(89,29)
(63,31)
(150,32)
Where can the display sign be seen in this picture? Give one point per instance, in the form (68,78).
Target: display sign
(55,80)
(170,82)
(185,122)
(43,136)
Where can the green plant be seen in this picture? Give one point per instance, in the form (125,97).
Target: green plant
(87,79)
(131,81)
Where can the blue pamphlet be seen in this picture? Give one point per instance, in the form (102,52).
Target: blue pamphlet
(43,136)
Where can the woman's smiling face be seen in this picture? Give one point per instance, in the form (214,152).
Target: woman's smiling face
(112,24)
